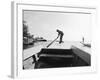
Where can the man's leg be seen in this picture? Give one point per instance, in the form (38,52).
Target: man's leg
(60,39)
(61,36)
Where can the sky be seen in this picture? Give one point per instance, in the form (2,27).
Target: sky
(44,24)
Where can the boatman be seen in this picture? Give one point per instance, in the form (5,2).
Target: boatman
(60,34)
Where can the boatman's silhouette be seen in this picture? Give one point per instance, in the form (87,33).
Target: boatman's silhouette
(60,34)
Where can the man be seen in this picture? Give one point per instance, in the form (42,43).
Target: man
(83,39)
(60,33)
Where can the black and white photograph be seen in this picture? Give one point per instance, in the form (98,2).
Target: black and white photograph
(56,39)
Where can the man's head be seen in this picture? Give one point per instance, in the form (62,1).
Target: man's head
(57,30)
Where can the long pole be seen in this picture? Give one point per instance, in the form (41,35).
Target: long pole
(52,42)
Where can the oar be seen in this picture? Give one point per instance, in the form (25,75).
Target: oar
(33,56)
(52,42)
